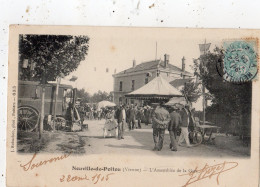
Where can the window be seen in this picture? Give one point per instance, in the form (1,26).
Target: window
(120,86)
(120,100)
(133,84)
(146,80)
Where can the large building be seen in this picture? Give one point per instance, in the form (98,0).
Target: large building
(138,75)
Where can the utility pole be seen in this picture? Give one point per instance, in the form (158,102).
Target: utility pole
(55,102)
(74,92)
(43,84)
(42,112)
(203,92)
(203,102)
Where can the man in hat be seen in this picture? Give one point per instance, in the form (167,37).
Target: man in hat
(139,116)
(132,116)
(121,118)
(127,111)
(160,120)
(146,114)
(173,125)
(185,116)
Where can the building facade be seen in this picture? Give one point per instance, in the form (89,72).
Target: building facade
(138,75)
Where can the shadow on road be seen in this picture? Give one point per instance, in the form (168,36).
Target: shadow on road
(98,137)
(145,138)
(127,146)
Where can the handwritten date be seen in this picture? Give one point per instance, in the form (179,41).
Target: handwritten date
(95,178)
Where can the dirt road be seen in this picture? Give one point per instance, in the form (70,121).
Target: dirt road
(91,141)
(140,141)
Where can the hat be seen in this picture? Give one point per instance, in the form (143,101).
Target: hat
(174,107)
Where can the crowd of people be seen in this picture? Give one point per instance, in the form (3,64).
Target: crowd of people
(177,118)
(92,112)
(132,116)
(135,115)
(127,115)
(172,118)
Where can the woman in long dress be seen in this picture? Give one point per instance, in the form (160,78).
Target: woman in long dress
(110,127)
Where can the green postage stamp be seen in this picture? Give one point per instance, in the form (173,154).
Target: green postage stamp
(240,61)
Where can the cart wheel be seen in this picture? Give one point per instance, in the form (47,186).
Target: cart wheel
(60,123)
(28,118)
(196,138)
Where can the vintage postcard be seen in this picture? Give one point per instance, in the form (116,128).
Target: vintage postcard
(132,106)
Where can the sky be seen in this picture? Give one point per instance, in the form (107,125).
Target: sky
(116,48)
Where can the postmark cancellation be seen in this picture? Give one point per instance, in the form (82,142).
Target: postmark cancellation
(240,60)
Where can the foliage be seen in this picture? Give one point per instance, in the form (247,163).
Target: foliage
(100,96)
(85,96)
(95,98)
(228,97)
(50,56)
(192,91)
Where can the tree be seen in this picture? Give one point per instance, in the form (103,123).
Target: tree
(110,96)
(100,96)
(192,91)
(85,96)
(95,98)
(229,98)
(46,57)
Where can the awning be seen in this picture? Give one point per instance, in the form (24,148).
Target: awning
(176,100)
(158,88)
(103,104)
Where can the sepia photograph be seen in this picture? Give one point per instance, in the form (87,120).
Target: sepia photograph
(130,93)
(101,105)
(156,95)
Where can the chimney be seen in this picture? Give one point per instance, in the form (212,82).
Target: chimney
(134,63)
(183,63)
(166,60)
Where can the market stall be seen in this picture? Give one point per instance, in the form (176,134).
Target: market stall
(157,89)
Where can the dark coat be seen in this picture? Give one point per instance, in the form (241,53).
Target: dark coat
(139,114)
(185,118)
(146,112)
(161,118)
(132,113)
(119,115)
(175,121)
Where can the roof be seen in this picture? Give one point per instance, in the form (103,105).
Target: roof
(50,83)
(157,88)
(179,82)
(152,65)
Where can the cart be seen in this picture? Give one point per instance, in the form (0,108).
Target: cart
(29,105)
(198,134)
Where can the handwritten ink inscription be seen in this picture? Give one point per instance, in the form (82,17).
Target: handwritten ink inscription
(32,164)
(208,172)
(194,175)
(95,178)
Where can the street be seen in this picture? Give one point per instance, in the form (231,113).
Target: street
(135,142)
